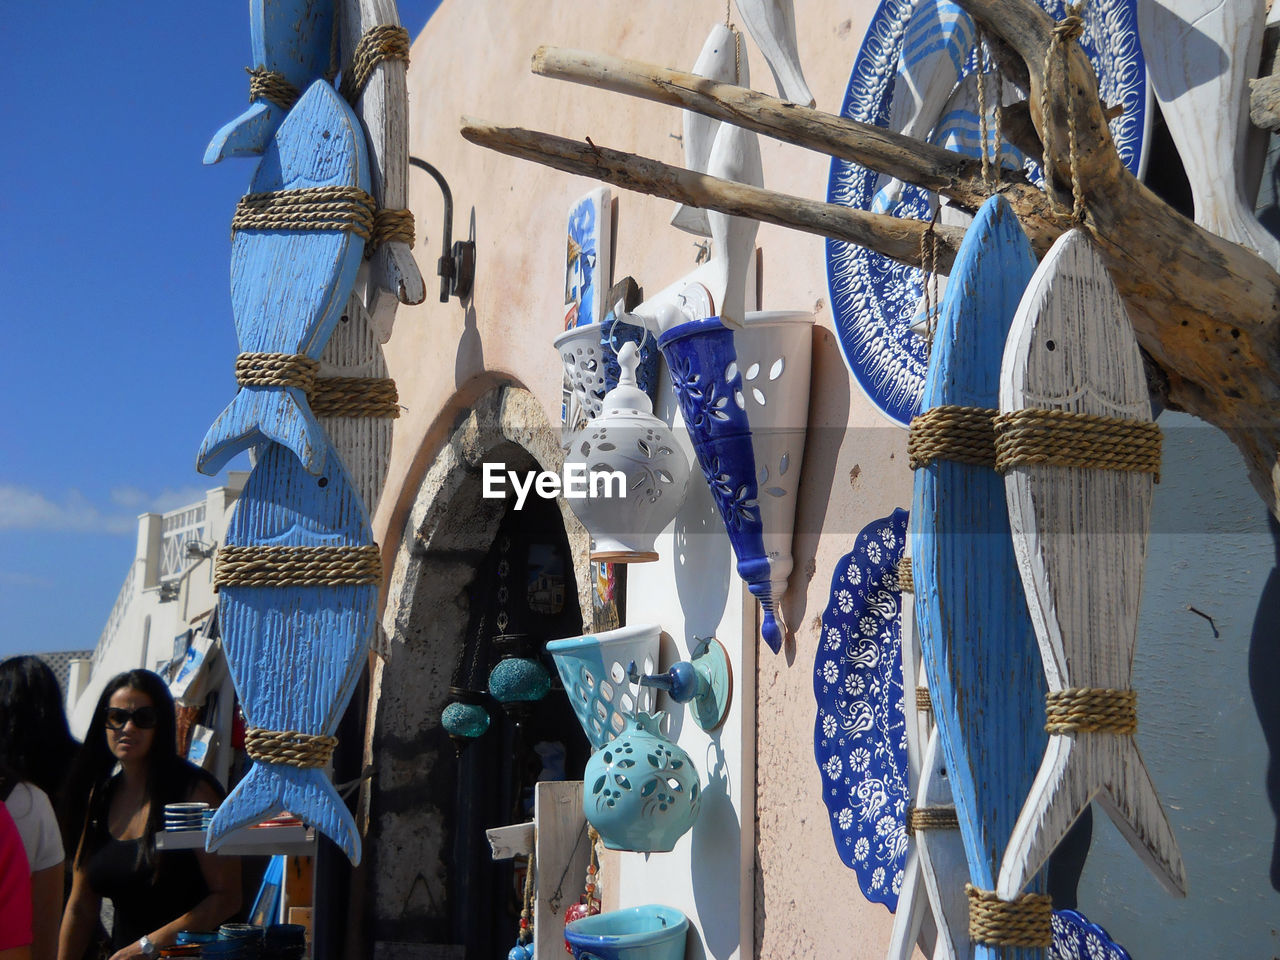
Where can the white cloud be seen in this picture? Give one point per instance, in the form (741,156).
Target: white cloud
(22,508)
(9,578)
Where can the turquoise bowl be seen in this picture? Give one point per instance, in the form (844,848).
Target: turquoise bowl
(651,932)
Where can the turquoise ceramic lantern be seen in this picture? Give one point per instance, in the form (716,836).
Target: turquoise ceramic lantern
(466,720)
(519,680)
(642,790)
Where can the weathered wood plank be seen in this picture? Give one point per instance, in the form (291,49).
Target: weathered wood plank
(293,38)
(295,653)
(563,851)
(392,276)
(289,287)
(1200,55)
(508,842)
(979,647)
(1080,536)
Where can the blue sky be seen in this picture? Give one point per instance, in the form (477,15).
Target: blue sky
(119,338)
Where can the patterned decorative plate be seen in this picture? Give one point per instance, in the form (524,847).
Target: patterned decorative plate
(875,299)
(860,737)
(1075,938)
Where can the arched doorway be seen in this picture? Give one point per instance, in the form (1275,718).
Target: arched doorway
(430,880)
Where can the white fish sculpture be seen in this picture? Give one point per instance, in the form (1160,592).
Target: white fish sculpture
(772,25)
(718,61)
(1200,56)
(289,285)
(1080,522)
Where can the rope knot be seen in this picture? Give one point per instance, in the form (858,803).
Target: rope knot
(951,432)
(291,748)
(1069,28)
(1024,922)
(1091,710)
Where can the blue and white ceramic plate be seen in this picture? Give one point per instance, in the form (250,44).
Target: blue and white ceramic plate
(875,299)
(860,738)
(1075,938)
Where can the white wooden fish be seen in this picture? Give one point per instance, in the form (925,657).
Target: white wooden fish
(292,38)
(289,287)
(391,274)
(717,61)
(1080,536)
(772,25)
(943,868)
(1200,56)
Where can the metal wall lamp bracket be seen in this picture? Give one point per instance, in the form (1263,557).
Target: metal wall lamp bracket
(457,263)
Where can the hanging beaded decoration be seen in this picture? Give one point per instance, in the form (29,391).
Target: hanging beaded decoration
(523,950)
(589,904)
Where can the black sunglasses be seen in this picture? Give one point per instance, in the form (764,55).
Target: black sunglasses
(144,718)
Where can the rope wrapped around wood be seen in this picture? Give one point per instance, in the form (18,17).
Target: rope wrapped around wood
(288,747)
(1024,922)
(308,208)
(274,566)
(383,42)
(923,700)
(932,818)
(271,85)
(952,432)
(277,370)
(1091,710)
(906,579)
(391,226)
(355,397)
(1064,438)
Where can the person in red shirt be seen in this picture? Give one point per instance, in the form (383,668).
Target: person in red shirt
(15,892)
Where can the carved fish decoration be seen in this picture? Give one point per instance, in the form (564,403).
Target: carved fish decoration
(718,61)
(1080,534)
(772,25)
(294,652)
(289,286)
(294,39)
(980,655)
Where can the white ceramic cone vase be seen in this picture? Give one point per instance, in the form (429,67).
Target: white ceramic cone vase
(633,472)
(744,394)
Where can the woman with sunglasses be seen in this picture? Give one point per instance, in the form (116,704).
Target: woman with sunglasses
(125,773)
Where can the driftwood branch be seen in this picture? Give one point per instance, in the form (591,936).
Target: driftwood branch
(897,238)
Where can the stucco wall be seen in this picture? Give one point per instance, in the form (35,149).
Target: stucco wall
(472,58)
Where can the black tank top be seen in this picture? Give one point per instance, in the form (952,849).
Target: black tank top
(144,899)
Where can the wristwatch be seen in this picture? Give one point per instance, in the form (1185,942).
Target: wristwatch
(146,946)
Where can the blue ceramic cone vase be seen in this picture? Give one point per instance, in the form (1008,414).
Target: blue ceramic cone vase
(744,396)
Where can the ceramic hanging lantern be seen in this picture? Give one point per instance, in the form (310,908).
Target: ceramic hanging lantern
(642,790)
(627,441)
(744,394)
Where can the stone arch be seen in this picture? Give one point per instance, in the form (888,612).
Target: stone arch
(447,533)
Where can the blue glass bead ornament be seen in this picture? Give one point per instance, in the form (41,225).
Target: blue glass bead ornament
(519,680)
(520,952)
(642,790)
(744,394)
(466,720)
(651,932)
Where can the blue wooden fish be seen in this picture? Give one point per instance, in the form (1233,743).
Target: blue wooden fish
(296,652)
(980,652)
(293,38)
(289,287)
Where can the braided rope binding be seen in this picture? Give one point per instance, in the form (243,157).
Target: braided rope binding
(906,579)
(392,226)
(923,700)
(276,370)
(355,397)
(259,566)
(288,747)
(932,818)
(951,432)
(1091,710)
(383,42)
(310,208)
(1024,922)
(1063,438)
(270,85)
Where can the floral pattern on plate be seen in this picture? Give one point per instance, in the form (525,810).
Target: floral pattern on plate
(860,737)
(1075,938)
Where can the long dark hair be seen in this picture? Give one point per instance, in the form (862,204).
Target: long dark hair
(169,777)
(35,742)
